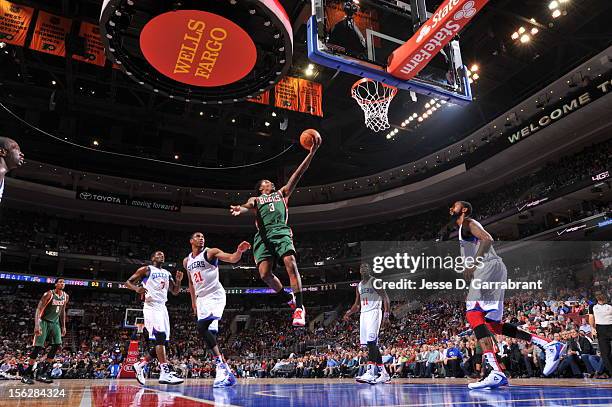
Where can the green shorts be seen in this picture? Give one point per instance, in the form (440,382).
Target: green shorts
(51,332)
(276,243)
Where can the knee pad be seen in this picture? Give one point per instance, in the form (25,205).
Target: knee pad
(499,328)
(208,337)
(475,318)
(35,352)
(53,351)
(481,331)
(160,338)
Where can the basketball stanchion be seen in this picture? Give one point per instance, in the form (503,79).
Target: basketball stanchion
(374,99)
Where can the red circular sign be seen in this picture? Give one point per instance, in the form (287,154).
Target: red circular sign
(198,48)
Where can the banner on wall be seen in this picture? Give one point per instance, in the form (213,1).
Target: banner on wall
(311,95)
(94,49)
(263,98)
(286,93)
(15,21)
(50,34)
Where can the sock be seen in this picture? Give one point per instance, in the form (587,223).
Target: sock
(219,362)
(539,341)
(492,361)
(298,299)
(283,296)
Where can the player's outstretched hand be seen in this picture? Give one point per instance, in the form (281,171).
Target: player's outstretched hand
(244,246)
(235,210)
(179,275)
(316,144)
(346,316)
(195,309)
(63,331)
(37,331)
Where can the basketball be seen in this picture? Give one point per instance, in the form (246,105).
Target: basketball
(307,138)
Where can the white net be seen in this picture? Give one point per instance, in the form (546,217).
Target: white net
(374,99)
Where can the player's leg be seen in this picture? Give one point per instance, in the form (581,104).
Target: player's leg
(476,319)
(552,349)
(299,314)
(383,375)
(54,335)
(162,337)
(37,348)
(210,309)
(367,339)
(265,273)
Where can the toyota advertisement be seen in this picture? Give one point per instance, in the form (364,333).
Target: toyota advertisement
(118,199)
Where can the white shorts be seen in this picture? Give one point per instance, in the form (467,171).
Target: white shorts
(210,306)
(369,325)
(490,301)
(156,320)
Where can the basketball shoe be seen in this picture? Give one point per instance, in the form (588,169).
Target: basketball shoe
(139,368)
(168,377)
(553,351)
(299,316)
(494,380)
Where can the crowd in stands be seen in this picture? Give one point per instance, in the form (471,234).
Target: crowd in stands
(33,230)
(424,338)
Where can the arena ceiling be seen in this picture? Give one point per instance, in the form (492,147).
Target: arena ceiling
(84,103)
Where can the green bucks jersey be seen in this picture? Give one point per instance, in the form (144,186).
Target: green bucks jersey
(271,211)
(52,310)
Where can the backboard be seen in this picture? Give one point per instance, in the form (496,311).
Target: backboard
(360,36)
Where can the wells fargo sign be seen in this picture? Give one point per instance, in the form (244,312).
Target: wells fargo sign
(198,48)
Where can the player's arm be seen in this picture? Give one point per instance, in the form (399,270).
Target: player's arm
(386,304)
(592,321)
(237,210)
(175,286)
(136,278)
(355,307)
(46,298)
(235,257)
(191,290)
(486,240)
(64,315)
(288,189)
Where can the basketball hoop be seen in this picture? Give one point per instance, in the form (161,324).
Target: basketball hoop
(139,327)
(374,98)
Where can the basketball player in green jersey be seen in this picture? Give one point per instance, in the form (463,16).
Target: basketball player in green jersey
(50,326)
(274,239)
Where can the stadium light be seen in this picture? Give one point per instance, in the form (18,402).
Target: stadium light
(525,38)
(556,13)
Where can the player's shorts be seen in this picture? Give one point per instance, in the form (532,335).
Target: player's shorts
(369,325)
(156,320)
(276,242)
(489,301)
(211,306)
(51,332)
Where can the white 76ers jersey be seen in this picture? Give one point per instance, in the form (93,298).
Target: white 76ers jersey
(469,246)
(204,275)
(1,189)
(156,284)
(370,299)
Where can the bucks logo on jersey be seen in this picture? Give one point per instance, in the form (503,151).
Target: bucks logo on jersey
(54,307)
(271,211)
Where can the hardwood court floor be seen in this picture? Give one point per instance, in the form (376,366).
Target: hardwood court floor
(306,392)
